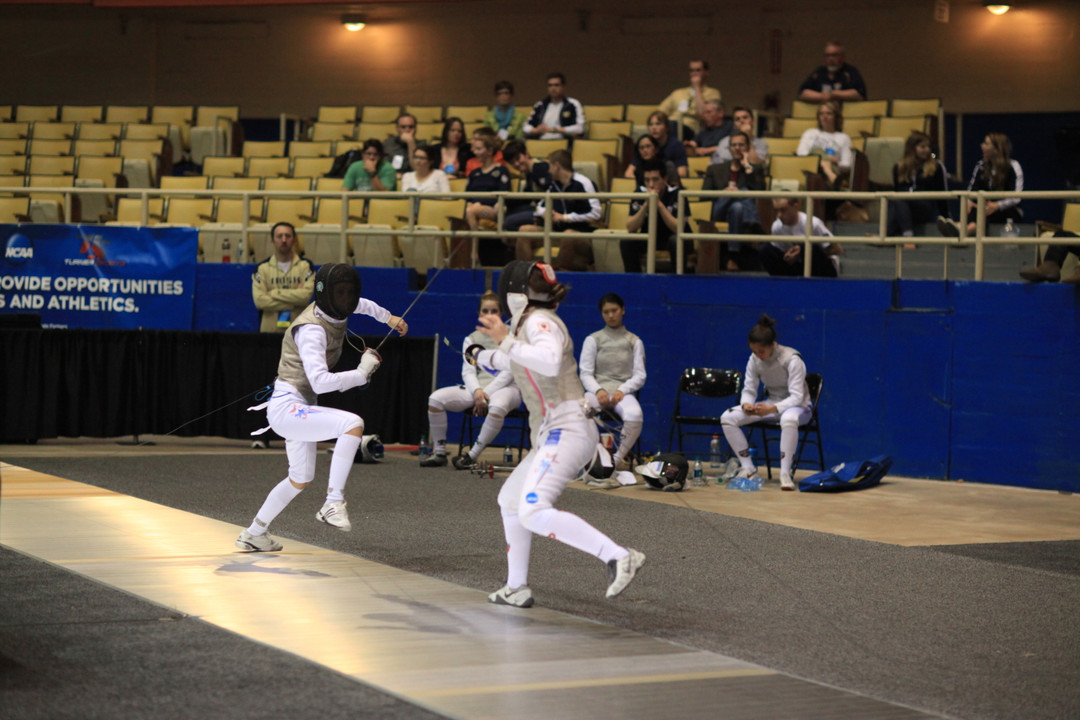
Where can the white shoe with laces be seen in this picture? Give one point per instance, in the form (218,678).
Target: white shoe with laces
(335,514)
(257,543)
(622,571)
(786,482)
(521,597)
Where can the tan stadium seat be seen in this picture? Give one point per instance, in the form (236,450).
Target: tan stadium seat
(311,148)
(268,167)
(82,113)
(52,131)
(100,131)
(337,114)
(127,113)
(425,113)
(37,113)
(467,113)
(380,113)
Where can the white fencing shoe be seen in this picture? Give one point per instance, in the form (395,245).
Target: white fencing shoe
(257,543)
(786,483)
(521,597)
(335,514)
(622,571)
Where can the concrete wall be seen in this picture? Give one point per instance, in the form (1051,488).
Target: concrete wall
(958,380)
(292,59)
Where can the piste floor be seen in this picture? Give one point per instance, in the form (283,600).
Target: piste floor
(122,595)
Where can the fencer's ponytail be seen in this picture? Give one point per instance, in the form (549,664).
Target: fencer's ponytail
(763,333)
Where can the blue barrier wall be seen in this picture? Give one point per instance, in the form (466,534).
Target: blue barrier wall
(956,380)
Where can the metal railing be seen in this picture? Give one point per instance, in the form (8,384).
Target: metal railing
(980,240)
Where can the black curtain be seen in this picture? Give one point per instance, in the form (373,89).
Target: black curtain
(110,383)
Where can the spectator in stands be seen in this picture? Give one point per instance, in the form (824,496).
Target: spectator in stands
(716,128)
(667,205)
(785,258)
(744,122)
(425,177)
(686,106)
(671,148)
(399,148)
(484,132)
(506,120)
(489,177)
(537,175)
(646,149)
(281,287)
(372,171)
(996,171)
(568,215)
(835,80)
(452,152)
(826,140)
(917,171)
(1049,270)
(739,173)
(556,116)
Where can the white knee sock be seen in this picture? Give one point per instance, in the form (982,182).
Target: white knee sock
(340,464)
(573,531)
(789,440)
(437,424)
(491,427)
(518,547)
(282,494)
(736,438)
(631,431)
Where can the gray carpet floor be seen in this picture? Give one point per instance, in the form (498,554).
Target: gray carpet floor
(985,631)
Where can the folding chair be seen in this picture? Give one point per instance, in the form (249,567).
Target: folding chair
(521,415)
(770,430)
(714,389)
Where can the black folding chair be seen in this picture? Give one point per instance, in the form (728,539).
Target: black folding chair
(710,384)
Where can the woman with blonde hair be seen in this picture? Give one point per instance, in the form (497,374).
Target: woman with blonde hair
(917,171)
(829,142)
(996,171)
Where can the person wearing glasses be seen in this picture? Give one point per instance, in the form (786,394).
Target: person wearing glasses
(506,120)
(556,116)
(399,148)
(425,177)
(484,394)
(372,171)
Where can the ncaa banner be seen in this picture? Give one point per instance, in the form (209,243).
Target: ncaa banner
(100,277)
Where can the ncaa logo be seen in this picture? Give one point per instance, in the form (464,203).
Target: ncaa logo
(18,249)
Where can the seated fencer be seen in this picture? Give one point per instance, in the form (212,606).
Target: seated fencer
(484,394)
(612,368)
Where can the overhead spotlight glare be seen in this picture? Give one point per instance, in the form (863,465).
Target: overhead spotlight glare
(996,8)
(353,23)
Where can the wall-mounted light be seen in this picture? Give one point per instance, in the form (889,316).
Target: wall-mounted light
(996,7)
(353,23)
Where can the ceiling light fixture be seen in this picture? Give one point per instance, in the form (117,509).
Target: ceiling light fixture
(353,23)
(996,7)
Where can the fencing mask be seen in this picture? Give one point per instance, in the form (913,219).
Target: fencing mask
(337,290)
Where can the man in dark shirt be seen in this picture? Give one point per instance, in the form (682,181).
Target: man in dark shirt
(537,175)
(667,205)
(835,80)
(717,127)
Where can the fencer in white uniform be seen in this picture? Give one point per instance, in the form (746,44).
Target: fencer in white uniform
(537,348)
(787,398)
(613,370)
(484,394)
(310,348)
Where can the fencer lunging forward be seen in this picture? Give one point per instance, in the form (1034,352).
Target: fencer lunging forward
(537,349)
(311,347)
(787,399)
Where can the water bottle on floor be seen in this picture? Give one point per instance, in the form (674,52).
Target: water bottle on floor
(697,479)
(424,450)
(508,456)
(714,455)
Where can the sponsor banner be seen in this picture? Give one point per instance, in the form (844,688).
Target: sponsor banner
(99,277)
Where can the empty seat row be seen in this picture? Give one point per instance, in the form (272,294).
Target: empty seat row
(874,108)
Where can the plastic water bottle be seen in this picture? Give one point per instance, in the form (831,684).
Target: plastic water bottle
(698,477)
(714,454)
(226,250)
(424,448)
(508,455)
(1010,230)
